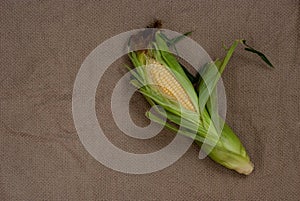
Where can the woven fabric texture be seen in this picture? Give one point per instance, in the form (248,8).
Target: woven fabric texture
(43,44)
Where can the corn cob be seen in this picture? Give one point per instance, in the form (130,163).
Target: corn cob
(173,85)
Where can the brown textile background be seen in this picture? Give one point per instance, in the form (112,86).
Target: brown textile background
(43,44)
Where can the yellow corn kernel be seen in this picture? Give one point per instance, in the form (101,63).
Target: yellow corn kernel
(167,83)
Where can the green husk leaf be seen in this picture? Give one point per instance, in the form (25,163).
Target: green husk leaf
(179,38)
(190,76)
(211,74)
(183,131)
(171,42)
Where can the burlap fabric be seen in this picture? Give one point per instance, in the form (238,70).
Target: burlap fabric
(43,44)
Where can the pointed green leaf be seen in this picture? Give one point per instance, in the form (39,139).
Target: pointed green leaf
(260,54)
